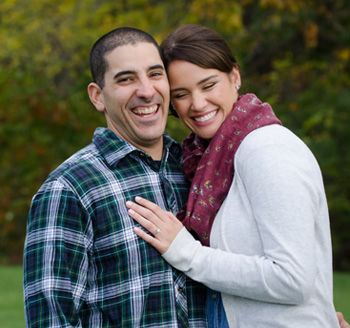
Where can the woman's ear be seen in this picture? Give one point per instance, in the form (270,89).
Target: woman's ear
(235,77)
(96,96)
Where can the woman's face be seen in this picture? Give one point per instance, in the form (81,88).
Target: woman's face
(203,98)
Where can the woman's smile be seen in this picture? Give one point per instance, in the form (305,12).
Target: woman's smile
(206,117)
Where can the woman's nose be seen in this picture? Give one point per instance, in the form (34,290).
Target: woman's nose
(199,102)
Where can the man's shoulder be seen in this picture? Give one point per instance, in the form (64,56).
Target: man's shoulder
(78,166)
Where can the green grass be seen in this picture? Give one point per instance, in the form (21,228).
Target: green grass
(11,296)
(341,288)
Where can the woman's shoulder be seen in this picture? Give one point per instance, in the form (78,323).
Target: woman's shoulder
(273,137)
(271,144)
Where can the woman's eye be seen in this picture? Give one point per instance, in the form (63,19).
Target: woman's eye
(208,86)
(179,96)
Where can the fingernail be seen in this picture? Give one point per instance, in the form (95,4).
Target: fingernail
(131,212)
(128,203)
(137,198)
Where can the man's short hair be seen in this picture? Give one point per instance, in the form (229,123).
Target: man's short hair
(119,37)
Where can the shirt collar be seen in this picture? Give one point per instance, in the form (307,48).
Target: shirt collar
(113,148)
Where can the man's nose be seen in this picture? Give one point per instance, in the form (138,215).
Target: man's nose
(145,89)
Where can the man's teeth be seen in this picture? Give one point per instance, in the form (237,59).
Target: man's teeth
(146,110)
(205,117)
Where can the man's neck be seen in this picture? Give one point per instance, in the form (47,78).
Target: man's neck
(156,151)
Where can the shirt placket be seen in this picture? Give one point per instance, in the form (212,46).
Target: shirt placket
(172,205)
(169,193)
(179,277)
(181,298)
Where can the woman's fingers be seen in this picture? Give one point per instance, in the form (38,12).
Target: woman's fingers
(161,239)
(146,223)
(163,225)
(146,203)
(143,211)
(164,216)
(150,240)
(342,322)
(153,229)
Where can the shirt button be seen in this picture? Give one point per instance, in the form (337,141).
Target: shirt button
(180,290)
(214,296)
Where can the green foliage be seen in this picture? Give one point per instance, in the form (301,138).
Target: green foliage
(292,53)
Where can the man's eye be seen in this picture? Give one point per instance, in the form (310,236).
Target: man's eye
(155,74)
(125,79)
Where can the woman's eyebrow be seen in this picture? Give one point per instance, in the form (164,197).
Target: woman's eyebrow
(206,79)
(199,83)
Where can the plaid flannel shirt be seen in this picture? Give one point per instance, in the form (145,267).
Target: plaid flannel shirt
(83,264)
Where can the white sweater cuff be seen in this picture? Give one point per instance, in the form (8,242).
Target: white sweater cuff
(182,250)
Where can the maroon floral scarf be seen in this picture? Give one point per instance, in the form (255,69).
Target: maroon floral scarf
(210,168)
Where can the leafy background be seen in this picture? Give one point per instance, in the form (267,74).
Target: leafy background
(293,53)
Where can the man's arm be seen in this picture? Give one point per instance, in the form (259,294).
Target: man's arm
(55,259)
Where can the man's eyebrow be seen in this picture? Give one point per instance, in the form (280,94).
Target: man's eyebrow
(121,73)
(199,83)
(151,68)
(156,67)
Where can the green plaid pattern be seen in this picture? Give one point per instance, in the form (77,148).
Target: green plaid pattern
(83,264)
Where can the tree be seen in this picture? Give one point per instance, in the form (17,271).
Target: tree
(293,53)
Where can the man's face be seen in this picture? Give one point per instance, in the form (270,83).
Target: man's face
(135,98)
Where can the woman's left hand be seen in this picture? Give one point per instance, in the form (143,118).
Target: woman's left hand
(342,322)
(162,224)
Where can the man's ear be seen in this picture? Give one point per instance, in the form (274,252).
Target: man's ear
(96,96)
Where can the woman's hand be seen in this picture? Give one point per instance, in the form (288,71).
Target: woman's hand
(163,225)
(342,322)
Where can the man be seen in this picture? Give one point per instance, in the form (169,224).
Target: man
(83,264)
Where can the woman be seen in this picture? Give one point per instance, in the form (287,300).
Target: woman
(257,198)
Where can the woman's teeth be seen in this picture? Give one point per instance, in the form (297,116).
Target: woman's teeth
(205,117)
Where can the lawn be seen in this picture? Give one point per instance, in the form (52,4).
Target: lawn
(11,297)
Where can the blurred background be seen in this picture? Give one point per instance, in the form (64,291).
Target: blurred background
(294,54)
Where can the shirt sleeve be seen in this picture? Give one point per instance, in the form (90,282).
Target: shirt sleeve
(285,190)
(55,258)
